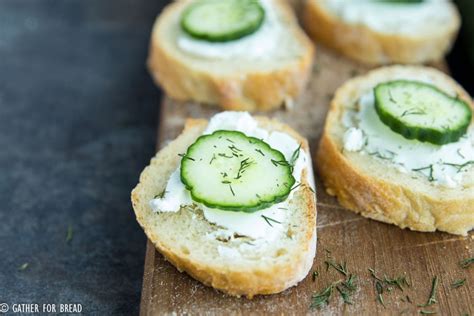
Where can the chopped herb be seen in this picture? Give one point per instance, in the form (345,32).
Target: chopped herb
(414,111)
(224,155)
(269,220)
(345,295)
(466,262)
(244,164)
(430,175)
(379,289)
(259,151)
(315,275)
(186,157)
(432,298)
(235,149)
(212,159)
(24,266)
(350,283)
(378,154)
(459,153)
(277,163)
(398,282)
(69,234)
(295,155)
(160,195)
(425,312)
(320,299)
(231,190)
(408,299)
(372,272)
(341,267)
(458,283)
(459,167)
(230,140)
(296,186)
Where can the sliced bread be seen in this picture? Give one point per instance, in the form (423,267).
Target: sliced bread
(375,183)
(258,72)
(233,263)
(384,32)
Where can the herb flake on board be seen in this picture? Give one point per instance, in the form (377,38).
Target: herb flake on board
(432,298)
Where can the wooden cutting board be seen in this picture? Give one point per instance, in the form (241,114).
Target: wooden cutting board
(360,242)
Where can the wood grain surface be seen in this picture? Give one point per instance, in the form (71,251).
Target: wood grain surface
(342,235)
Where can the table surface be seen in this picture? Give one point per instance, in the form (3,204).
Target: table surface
(78,115)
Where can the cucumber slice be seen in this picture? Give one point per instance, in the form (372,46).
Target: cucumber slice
(222,20)
(418,110)
(231,171)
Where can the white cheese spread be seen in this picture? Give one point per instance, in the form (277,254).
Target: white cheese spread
(386,17)
(257,45)
(443,165)
(254,224)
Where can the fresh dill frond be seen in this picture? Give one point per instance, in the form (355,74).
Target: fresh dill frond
(341,267)
(458,283)
(466,262)
(432,298)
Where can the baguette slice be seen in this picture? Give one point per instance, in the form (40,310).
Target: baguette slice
(183,237)
(382,39)
(377,189)
(238,83)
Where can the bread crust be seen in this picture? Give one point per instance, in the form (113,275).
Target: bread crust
(371,47)
(411,204)
(236,281)
(248,90)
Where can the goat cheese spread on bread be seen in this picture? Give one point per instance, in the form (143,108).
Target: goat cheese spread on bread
(443,165)
(392,17)
(261,44)
(267,223)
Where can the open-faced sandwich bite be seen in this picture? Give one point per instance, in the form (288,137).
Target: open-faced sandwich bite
(384,31)
(239,54)
(398,146)
(232,202)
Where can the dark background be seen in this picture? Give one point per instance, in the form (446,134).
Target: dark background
(78,115)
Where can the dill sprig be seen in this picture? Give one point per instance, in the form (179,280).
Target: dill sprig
(372,273)
(432,298)
(458,283)
(244,164)
(320,299)
(398,281)
(295,155)
(160,195)
(24,266)
(184,156)
(459,167)
(69,233)
(466,262)
(430,173)
(277,163)
(260,151)
(341,267)
(379,290)
(414,111)
(269,220)
(347,288)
